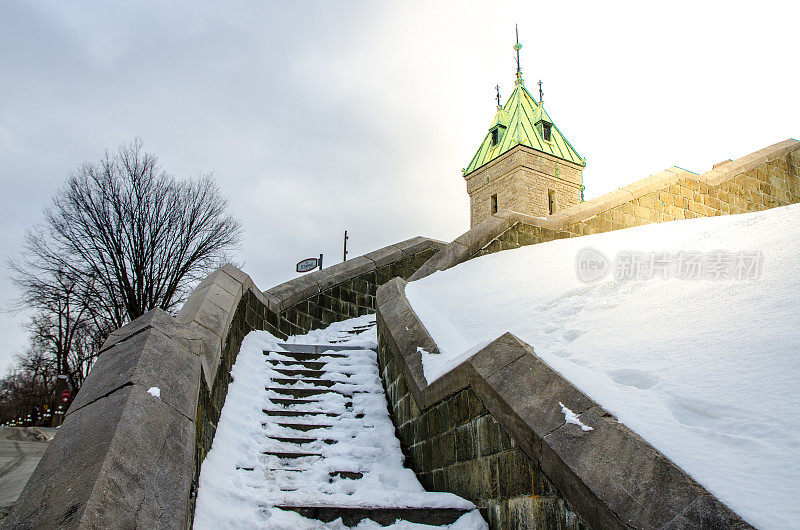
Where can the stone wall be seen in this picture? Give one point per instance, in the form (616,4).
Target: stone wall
(521,178)
(296,307)
(764,179)
(126,458)
(321,298)
(458,446)
(492,430)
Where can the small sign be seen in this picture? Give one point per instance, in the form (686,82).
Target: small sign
(308,265)
(65,396)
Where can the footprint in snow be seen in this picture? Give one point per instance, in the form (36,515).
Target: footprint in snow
(571,334)
(635,378)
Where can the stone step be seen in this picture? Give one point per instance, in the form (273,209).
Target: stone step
(305,427)
(285,364)
(307,380)
(318,348)
(351,475)
(290,401)
(298,356)
(291,455)
(295,372)
(299,413)
(352,516)
(304,392)
(301,441)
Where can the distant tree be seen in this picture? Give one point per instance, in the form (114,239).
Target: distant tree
(61,311)
(121,238)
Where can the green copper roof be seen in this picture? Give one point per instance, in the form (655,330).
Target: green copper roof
(518,122)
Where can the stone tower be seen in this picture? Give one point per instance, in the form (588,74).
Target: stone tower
(524,163)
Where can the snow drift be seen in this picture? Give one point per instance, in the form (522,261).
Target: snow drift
(687,331)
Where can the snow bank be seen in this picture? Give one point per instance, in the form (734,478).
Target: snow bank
(706,369)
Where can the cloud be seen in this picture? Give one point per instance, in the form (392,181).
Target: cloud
(317,117)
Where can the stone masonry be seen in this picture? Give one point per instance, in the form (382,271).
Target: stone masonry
(765,179)
(458,446)
(125,458)
(522,179)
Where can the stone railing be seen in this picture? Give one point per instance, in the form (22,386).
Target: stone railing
(129,451)
(492,431)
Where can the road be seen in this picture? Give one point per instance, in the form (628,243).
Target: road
(20,452)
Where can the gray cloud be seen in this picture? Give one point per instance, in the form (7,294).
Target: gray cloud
(317,117)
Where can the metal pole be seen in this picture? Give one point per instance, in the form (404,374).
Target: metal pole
(344,258)
(320,262)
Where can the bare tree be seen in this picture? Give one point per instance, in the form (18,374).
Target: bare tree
(125,237)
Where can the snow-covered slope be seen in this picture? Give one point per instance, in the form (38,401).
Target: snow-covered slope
(706,369)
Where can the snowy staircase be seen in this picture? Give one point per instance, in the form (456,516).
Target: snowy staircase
(327,434)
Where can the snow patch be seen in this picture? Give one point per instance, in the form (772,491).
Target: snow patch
(154,391)
(571,417)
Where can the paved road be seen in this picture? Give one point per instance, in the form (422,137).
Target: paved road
(20,452)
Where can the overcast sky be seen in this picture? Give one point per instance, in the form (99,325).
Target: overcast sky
(316,117)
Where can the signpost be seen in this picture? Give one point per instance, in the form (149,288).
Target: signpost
(65,396)
(309,264)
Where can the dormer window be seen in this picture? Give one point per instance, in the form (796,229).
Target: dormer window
(546,131)
(496,133)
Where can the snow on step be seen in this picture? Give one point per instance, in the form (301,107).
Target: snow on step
(305,426)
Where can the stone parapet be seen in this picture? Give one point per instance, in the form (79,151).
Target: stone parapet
(472,432)
(129,456)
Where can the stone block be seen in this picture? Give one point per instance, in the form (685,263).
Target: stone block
(515,469)
(499,353)
(384,256)
(409,247)
(123,461)
(451,255)
(229,278)
(327,278)
(149,359)
(153,318)
(478,237)
(293,291)
(636,483)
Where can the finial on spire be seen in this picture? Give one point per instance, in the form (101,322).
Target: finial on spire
(540,92)
(498,97)
(517,47)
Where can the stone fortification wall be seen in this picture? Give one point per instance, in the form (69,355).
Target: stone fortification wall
(127,458)
(492,430)
(465,431)
(765,179)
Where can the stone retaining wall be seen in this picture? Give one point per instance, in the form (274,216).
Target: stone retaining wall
(492,430)
(458,446)
(126,458)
